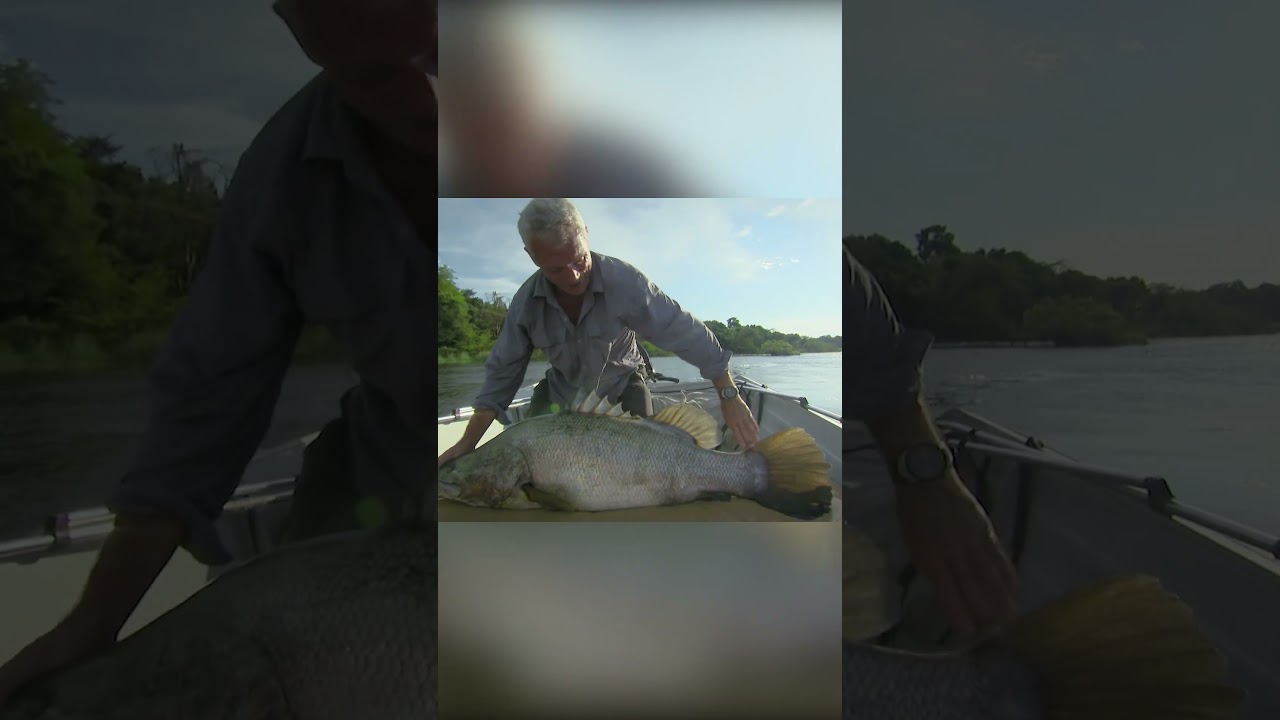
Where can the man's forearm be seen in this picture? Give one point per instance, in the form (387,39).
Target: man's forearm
(133,555)
(722,381)
(898,432)
(480,421)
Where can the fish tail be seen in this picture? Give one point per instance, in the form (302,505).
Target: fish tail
(799,484)
(1123,649)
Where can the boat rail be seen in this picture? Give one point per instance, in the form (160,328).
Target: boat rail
(77,530)
(86,528)
(1156,489)
(744,383)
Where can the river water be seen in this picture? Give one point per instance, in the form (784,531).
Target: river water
(815,376)
(1201,413)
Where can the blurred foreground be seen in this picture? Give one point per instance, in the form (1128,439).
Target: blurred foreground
(577,620)
(650,100)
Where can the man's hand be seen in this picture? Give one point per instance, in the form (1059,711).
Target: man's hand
(951,541)
(66,643)
(453,453)
(738,417)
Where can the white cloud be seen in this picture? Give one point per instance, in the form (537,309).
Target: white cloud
(745,231)
(777,262)
(776,211)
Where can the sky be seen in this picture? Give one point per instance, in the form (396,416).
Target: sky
(773,263)
(151,73)
(748,98)
(1124,137)
(690,79)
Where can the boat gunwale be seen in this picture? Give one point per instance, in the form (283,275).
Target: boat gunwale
(976,433)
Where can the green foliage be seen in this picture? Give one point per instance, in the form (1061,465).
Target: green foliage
(1000,295)
(95,252)
(756,340)
(778,347)
(1076,321)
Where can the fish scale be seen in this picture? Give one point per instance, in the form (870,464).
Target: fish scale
(331,629)
(660,467)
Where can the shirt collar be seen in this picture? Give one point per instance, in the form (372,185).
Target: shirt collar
(335,134)
(331,132)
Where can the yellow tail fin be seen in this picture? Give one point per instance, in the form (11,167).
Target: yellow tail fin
(799,484)
(1123,649)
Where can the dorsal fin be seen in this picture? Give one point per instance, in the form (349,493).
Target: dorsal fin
(692,419)
(589,403)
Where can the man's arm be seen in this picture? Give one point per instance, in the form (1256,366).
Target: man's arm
(945,529)
(883,374)
(670,327)
(661,320)
(504,371)
(213,390)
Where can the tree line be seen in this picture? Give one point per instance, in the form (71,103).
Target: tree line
(468,326)
(96,253)
(92,243)
(997,295)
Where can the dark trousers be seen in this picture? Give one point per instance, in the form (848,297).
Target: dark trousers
(635,398)
(324,501)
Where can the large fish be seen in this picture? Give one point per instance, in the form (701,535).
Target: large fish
(595,458)
(338,627)
(1121,649)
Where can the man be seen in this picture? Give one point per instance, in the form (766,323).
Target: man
(324,221)
(586,311)
(946,532)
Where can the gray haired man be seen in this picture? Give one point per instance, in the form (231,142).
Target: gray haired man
(587,312)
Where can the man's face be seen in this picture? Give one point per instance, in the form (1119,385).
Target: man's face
(377,57)
(567,267)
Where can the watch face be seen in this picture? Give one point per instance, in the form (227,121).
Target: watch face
(926,462)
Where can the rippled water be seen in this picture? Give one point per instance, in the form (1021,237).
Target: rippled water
(815,376)
(1201,413)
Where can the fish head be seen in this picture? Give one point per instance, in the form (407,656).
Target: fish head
(491,476)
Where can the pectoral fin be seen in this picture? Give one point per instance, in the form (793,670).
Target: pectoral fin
(714,496)
(548,500)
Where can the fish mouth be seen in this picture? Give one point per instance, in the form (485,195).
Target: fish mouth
(447,490)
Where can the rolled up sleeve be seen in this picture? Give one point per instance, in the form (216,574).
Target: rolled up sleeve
(215,384)
(505,368)
(882,359)
(660,320)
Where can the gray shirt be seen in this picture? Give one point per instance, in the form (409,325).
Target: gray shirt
(882,359)
(307,232)
(621,304)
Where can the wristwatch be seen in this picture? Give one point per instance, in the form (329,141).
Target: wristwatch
(924,463)
(729,393)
